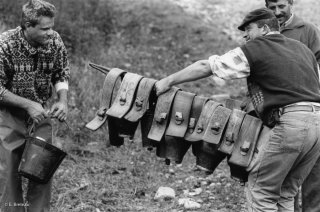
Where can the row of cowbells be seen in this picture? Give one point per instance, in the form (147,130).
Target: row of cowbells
(176,121)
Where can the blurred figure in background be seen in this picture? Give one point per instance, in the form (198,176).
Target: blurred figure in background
(33,60)
(294,27)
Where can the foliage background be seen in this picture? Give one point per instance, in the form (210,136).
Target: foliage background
(153,38)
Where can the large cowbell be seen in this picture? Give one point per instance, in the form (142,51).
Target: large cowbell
(173,147)
(208,157)
(123,103)
(106,99)
(244,148)
(147,118)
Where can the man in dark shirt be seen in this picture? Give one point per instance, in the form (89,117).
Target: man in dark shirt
(296,28)
(283,83)
(32,59)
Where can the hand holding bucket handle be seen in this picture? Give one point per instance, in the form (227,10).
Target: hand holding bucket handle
(40,158)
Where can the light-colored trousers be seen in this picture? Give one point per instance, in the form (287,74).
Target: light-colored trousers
(13,131)
(283,162)
(311,190)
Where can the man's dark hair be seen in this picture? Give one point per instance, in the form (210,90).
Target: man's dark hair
(34,9)
(272,23)
(267,1)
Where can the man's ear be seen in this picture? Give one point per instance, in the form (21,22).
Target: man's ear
(266,29)
(28,24)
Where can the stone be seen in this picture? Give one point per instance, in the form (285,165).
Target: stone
(196,191)
(165,193)
(189,203)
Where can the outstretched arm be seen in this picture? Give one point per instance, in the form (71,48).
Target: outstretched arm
(231,65)
(195,71)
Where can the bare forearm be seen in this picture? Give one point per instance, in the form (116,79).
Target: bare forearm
(11,99)
(195,71)
(63,95)
(59,109)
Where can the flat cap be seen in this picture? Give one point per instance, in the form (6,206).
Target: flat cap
(256,15)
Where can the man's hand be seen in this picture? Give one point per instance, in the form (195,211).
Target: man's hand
(162,86)
(36,112)
(59,110)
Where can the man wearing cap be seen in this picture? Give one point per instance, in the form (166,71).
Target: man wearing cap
(281,74)
(33,59)
(296,28)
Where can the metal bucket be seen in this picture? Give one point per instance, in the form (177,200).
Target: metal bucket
(40,160)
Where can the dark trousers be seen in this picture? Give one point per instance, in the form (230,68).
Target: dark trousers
(13,131)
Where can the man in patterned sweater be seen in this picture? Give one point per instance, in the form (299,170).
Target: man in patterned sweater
(33,59)
(283,81)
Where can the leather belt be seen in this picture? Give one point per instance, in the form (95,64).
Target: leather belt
(125,96)
(180,113)
(140,104)
(203,122)
(294,108)
(161,114)
(105,98)
(197,105)
(232,131)
(216,126)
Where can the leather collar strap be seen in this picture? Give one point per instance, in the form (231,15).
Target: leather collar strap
(216,126)
(180,113)
(203,122)
(232,131)
(250,109)
(161,114)
(140,105)
(105,98)
(197,105)
(125,96)
(246,143)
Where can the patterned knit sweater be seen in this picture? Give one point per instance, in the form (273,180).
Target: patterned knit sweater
(30,72)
